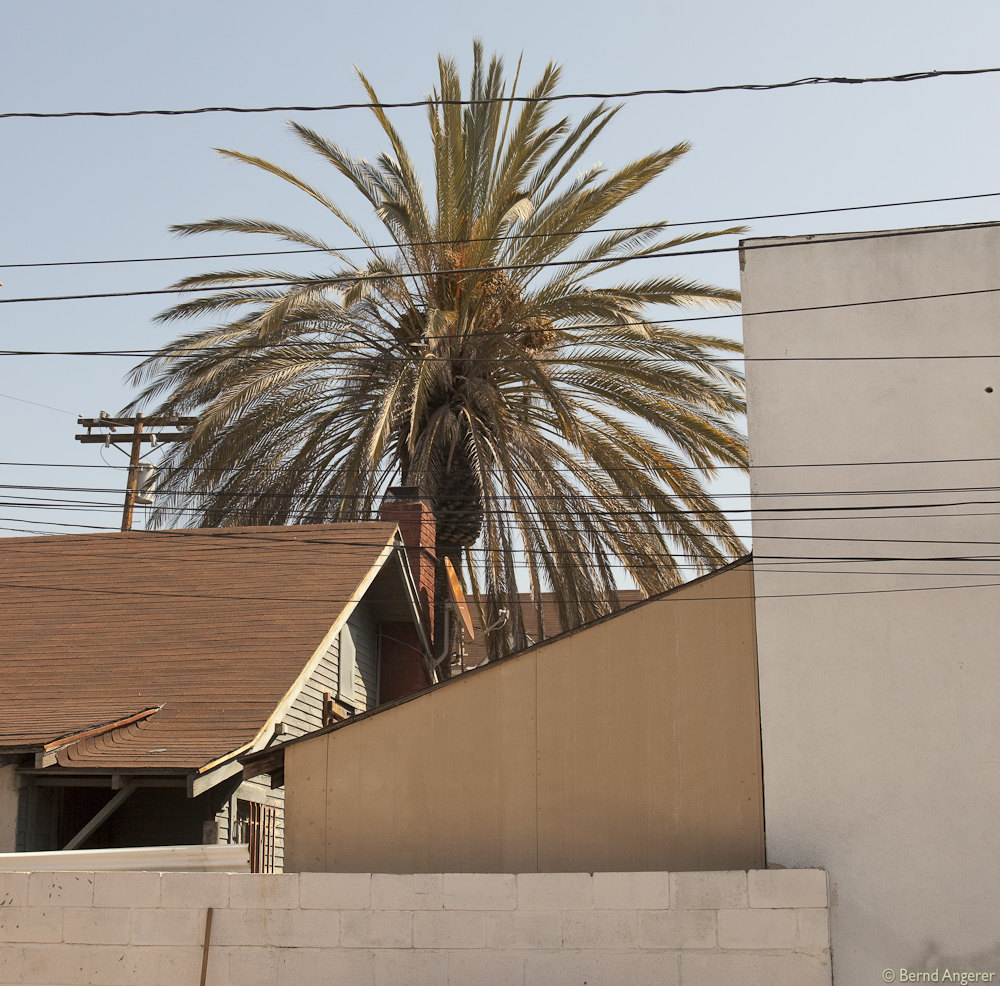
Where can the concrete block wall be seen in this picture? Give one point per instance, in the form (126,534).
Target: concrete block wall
(757,928)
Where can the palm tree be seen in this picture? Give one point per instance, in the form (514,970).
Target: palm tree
(559,432)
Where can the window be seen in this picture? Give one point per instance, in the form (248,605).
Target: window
(256,825)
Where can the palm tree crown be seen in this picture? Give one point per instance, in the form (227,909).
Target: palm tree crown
(559,433)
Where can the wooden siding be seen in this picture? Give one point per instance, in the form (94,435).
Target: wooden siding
(258,790)
(222,820)
(364,629)
(306,713)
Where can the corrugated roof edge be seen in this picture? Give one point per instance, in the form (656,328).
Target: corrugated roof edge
(272,752)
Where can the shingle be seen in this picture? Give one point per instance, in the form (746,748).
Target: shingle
(214,625)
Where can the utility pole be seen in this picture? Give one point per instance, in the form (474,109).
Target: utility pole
(136,437)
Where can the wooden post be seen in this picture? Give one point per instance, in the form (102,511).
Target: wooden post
(136,438)
(133,475)
(205,947)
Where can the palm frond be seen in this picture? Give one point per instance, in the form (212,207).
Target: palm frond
(563,432)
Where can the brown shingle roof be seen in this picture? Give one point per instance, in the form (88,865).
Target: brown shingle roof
(213,625)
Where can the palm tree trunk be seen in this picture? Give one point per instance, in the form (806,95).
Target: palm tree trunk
(458,516)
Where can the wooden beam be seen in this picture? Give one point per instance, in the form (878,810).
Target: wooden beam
(199,784)
(126,439)
(101,778)
(117,724)
(105,813)
(204,950)
(270,764)
(155,421)
(133,474)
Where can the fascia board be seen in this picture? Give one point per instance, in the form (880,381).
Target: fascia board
(205,780)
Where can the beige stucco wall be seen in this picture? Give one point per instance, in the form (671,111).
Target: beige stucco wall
(879,687)
(762,928)
(631,745)
(8,809)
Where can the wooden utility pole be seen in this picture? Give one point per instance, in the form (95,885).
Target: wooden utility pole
(136,437)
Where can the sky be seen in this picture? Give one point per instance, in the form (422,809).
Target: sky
(108,189)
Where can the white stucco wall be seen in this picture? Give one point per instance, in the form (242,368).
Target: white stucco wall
(879,688)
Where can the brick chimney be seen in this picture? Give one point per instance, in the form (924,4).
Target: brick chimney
(403,670)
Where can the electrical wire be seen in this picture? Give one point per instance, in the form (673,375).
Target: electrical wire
(564,361)
(596,599)
(758,512)
(559,97)
(506,237)
(751,467)
(756,537)
(761,558)
(23,400)
(474,498)
(767,520)
(762,564)
(350,360)
(339,280)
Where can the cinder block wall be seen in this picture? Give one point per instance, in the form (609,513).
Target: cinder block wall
(757,928)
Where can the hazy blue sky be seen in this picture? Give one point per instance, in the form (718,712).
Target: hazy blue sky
(92,189)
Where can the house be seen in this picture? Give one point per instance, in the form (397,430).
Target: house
(628,744)
(135,668)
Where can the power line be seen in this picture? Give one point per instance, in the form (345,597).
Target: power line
(55,523)
(410,104)
(760,559)
(515,360)
(230,538)
(866,540)
(772,560)
(801,513)
(768,563)
(474,498)
(751,468)
(507,237)
(770,566)
(341,280)
(343,601)
(756,537)
(23,400)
